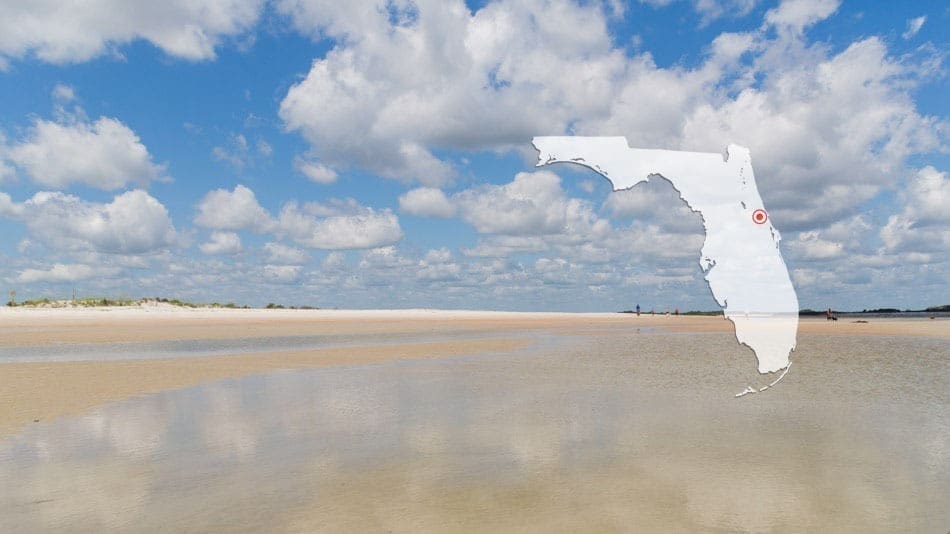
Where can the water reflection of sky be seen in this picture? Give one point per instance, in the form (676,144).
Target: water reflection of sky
(620,430)
(182,348)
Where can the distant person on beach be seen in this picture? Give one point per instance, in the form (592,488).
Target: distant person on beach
(638,310)
(830,316)
(676,311)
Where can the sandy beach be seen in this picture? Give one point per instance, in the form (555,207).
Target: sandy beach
(43,390)
(38,326)
(438,421)
(34,391)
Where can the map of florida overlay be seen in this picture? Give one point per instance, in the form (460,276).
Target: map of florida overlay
(740,256)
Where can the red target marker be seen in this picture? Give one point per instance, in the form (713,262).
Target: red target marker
(759,216)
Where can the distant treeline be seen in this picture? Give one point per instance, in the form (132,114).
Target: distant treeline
(932,309)
(807,312)
(94,302)
(272,306)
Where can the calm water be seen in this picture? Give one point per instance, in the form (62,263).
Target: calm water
(184,348)
(614,432)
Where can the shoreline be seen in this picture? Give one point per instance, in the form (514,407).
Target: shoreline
(45,390)
(23,327)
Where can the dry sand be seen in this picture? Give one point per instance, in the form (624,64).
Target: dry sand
(42,390)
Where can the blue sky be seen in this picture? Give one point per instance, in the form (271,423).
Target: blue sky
(377,154)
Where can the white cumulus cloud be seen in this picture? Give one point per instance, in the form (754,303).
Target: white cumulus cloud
(69,32)
(235,210)
(403,84)
(796,15)
(426,202)
(438,266)
(828,128)
(223,243)
(280,254)
(9,208)
(532,204)
(64,273)
(133,223)
(923,226)
(927,197)
(282,274)
(315,172)
(104,154)
(367,228)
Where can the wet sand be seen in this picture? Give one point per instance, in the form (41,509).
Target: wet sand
(43,390)
(31,327)
(599,428)
(28,327)
(32,392)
